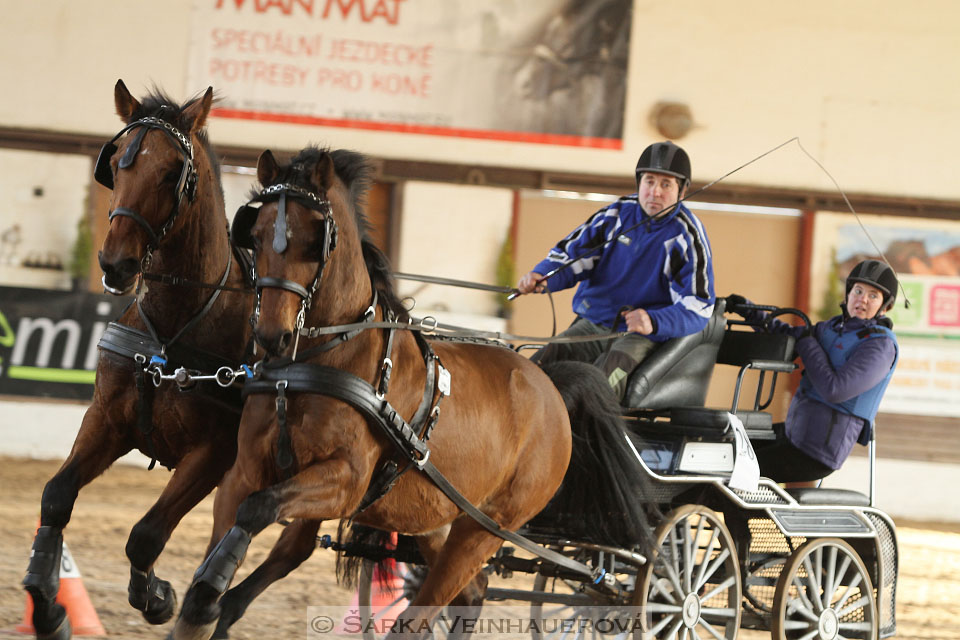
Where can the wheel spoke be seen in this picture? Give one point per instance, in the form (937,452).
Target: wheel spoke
(799,625)
(719,560)
(814,581)
(653,607)
(661,626)
(684,568)
(671,569)
(673,630)
(718,612)
(713,632)
(841,573)
(854,583)
(656,588)
(829,588)
(810,635)
(701,578)
(796,605)
(853,606)
(690,554)
(802,595)
(726,584)
(856,626)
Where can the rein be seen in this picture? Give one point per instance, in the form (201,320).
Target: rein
(429,325)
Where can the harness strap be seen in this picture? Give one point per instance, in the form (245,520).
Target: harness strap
(303,377)
(195,319)
(140,347)
(282,283)
(139,219)
(145,409)
(357,328)
(360,394)
(284,445)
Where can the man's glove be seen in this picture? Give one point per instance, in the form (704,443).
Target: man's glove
(734,300)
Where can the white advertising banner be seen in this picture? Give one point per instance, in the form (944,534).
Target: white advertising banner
(927,379)
(551,71)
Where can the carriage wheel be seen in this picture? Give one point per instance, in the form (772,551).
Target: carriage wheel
(691,588)
(824,593)
(383,594)
(586,611)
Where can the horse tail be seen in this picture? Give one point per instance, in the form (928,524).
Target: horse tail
(357,542)
(604,494)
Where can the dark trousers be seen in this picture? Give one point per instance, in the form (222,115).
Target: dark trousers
(782,462)
(615,357)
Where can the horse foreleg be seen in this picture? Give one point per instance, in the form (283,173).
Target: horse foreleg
(313,494)
(94,449)
(292,549)
(195,476)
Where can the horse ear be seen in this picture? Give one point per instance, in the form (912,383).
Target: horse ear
(324,171)
(196,113)
(125,103)
(267,168)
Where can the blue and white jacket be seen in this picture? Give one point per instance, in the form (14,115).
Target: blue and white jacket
(664,266)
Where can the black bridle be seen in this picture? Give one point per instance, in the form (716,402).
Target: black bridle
(186,184)
(243,223)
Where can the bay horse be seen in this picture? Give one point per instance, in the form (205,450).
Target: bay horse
(309,447)
(167,223)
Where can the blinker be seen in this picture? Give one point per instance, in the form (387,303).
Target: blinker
(131,152)
(102,172)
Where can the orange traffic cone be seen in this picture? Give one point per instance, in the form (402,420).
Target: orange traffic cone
(74,598)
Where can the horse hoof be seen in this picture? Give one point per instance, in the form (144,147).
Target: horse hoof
(160,610)
(187,631)
(49,619)
(62,632)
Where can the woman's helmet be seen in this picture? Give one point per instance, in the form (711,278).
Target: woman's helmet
(877,274)
(665,157)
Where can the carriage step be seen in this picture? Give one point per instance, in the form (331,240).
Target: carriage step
(825,496)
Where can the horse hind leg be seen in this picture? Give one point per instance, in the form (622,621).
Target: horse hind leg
(455,577)
(195,476)
(93,451)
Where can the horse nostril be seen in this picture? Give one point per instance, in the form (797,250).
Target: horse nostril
(120,271)
(286,338)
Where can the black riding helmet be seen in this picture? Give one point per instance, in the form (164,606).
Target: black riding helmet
(665,157)
(877,274)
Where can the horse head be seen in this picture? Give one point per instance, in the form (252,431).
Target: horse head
(306,236)
(155,175)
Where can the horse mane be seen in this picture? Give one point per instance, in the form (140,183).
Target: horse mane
(157,104)
(356,172)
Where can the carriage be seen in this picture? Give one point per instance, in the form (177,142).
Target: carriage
(316,440)
(799,562)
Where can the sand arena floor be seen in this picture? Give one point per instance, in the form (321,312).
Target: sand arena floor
(928,599)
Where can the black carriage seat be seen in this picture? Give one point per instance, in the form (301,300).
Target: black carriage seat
(829,496)
(678,372)
(764,352)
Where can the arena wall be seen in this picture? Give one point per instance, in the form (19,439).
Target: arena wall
(860,82)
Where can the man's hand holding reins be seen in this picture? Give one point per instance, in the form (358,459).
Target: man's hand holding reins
(638,321)
(532,283)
